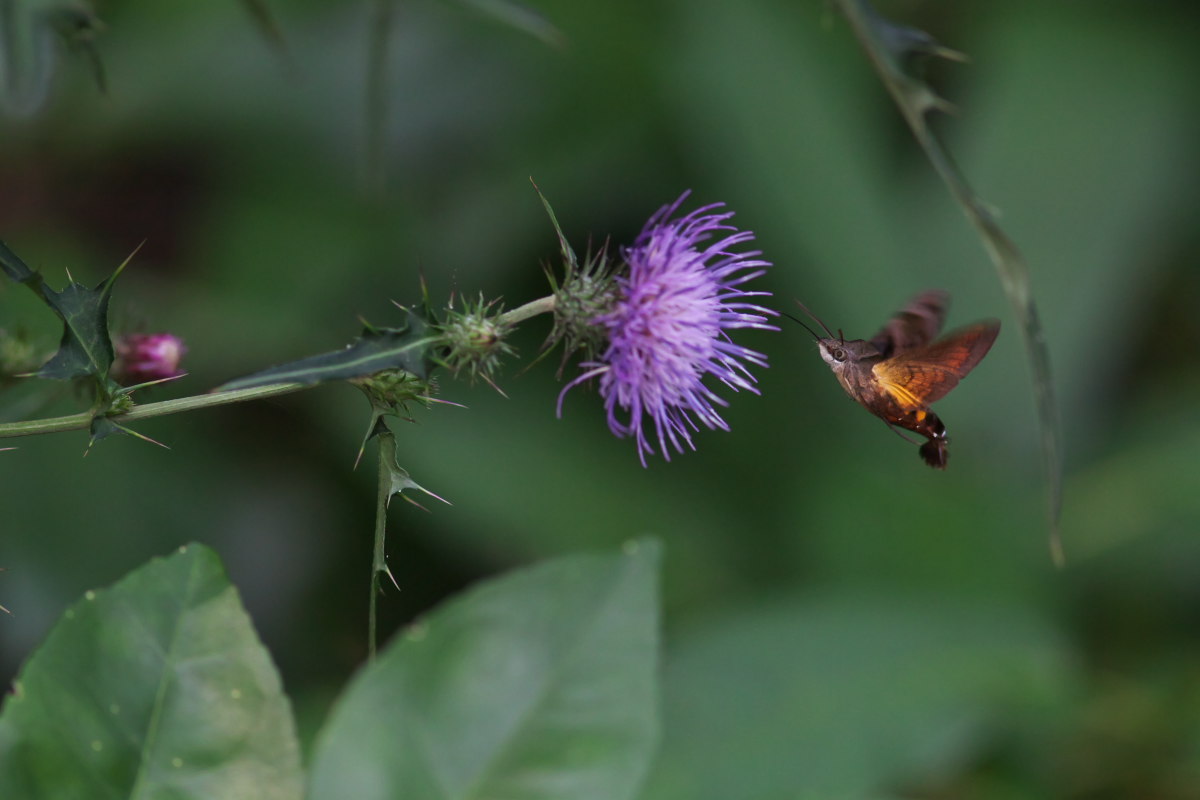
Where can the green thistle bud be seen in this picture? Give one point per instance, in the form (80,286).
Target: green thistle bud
(474,340)
(587,292)
(393,389)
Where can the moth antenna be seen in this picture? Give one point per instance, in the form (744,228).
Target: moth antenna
(841,336)
(815,318)
(802,325)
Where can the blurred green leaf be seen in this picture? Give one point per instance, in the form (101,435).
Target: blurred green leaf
(841,696)
(28,29)
(156,687)
(27,57)
(77,24)
(405,348)
(540,684)
(1146,489)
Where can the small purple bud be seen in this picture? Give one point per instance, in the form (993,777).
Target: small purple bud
(144,357)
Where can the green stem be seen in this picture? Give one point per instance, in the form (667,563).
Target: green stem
(379,557)
(83,420)
(542,305)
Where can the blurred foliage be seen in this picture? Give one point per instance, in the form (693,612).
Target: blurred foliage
(840,620)
(157,685)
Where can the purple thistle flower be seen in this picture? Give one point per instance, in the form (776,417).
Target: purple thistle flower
(144,357)
(668,328)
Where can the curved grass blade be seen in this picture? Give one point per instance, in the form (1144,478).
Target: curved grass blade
(520,17)
(890,47)
(268,26)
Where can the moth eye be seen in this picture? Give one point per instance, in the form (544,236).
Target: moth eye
(838,354)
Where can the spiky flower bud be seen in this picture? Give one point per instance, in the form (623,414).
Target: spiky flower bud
(144,357)
(588,291)
(474,340)
(394,389)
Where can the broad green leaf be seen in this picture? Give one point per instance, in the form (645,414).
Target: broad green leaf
(539,684)
(155,687)
(377,349)
(844,696)
(890,47)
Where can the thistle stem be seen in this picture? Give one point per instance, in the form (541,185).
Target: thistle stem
(83,420)
(383,485)
(542,305)
(379,555)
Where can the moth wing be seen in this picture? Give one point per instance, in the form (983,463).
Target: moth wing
(918,378)
(915,325)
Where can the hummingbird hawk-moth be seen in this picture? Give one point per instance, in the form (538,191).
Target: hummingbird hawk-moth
(900,371)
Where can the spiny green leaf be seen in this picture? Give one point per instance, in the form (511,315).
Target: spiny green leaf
(538,685)
(85,348)
(156,687)
(890,48)
(398,477)
(377,349)
(104,426)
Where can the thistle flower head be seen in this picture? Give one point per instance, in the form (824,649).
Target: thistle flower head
(144,357)
(668,326)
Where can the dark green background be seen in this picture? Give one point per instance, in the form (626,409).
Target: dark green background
(841,621)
